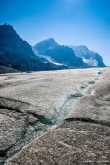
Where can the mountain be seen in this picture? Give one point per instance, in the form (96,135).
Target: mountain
(59,53)
(72,57)
(92,59)
(17,54)
(45,45)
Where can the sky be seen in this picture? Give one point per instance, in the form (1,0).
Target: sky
(70,22)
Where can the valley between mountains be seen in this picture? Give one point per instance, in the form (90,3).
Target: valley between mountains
(55,117)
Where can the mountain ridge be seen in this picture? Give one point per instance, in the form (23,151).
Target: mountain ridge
(18,55)
(86,54)
(87,57)
(59,53)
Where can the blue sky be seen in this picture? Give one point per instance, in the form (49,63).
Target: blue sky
(71,22)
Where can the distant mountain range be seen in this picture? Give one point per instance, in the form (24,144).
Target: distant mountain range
(71,56)
(17,55)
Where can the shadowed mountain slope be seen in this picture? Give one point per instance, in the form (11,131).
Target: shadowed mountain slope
(17,54)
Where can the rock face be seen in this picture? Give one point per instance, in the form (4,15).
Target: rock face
(70,109)
(17,55)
